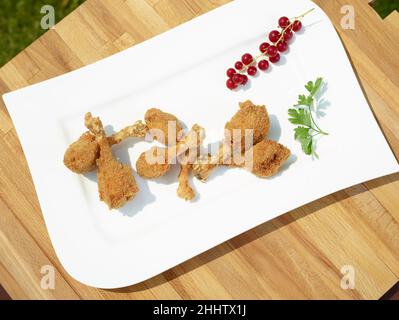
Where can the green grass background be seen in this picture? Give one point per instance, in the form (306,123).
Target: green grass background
(385,7)
(20,21)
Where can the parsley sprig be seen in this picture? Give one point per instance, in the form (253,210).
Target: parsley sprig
(302,115)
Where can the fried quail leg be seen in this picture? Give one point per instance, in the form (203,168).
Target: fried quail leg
(81,156)
(264,160)
(249,117)
(116,184)
(157,119)
(185,191)
(155,162)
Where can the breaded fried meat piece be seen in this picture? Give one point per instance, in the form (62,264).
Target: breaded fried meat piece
(116,183)
(250,117)
(81,156)
(152,168)
(268,157)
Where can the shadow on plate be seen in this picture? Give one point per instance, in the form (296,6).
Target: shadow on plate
(170,177)
(275,128)
(143,198)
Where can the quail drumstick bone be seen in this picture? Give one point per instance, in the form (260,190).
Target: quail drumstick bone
(184,190)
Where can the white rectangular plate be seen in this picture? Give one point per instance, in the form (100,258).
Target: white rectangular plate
(183,72)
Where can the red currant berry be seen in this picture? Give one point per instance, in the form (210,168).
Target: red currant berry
(297,25)
(244,80)
(230,84)
(263,47)
(283,22)
(252,70)
(282,46)
(272,51)
(288,35)
(238,65)
(237,78)
(274,36)
(263,65)
(230,72)
(275,59)
(247,59)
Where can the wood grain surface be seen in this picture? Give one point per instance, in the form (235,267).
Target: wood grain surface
(298,255)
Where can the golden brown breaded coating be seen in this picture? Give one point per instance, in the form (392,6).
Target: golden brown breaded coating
(162,158)
(252,117)
(116,184)
(81,156)
(152,169)
(157,119)
(184,190)
(268,157)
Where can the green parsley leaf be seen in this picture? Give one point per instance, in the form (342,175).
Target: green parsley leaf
(301,132)
(309,86)
(304,137)
(304,100)
(317,86)
(307,145)
(302,116)
(301,100)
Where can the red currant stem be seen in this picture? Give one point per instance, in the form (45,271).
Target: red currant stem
(264,54)
(304,14)
(282,32)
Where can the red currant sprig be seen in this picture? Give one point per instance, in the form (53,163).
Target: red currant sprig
(249,65)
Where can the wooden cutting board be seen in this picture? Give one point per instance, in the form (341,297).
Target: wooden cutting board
(298,255)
